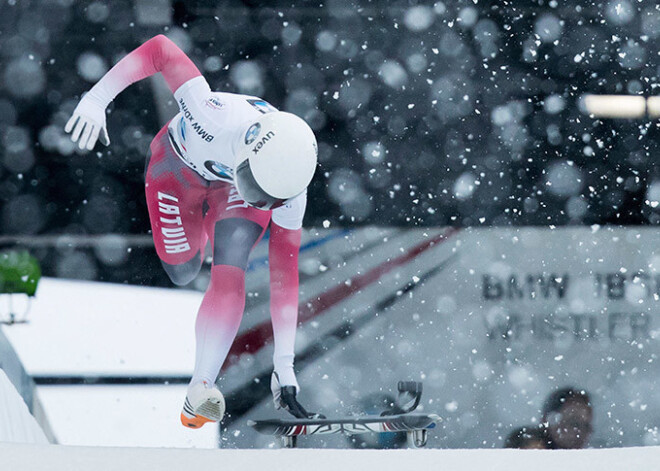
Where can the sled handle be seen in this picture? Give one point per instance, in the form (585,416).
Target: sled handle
(410,393)
(413,387)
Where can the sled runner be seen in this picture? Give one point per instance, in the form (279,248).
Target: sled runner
(397,419)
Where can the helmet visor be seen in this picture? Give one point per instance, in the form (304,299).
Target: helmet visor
(251,191)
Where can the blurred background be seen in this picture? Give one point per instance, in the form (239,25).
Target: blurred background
(459,113)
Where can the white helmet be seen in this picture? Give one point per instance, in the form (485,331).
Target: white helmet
(275,160)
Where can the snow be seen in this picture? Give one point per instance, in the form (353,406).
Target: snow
(418,18)
(138,415)
(109,330)
(248,77)
(91,66)
(24,214)
(373,152)
(461,112)
(97,12)
(451,332)
(620,12)
(24,77)
(68,458)
(326,41)
(345,188)
(393,74)
(354,70)
(548,28)
(128,331)
(16,423)
(464,186)
(484,387)
(213,64)
(564,179)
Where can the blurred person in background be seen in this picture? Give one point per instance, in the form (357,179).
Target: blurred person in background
(567,419)
(376,404)
(224,169)
(529,437)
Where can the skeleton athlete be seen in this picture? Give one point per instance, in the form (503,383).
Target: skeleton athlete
(223,170)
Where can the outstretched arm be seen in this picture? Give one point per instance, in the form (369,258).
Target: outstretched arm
(283,248)
(159,54)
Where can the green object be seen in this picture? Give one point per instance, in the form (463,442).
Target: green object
(19,273)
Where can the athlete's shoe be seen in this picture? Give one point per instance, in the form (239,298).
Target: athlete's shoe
(284,397)
(204,403)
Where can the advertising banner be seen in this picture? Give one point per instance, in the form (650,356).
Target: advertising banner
(494,320)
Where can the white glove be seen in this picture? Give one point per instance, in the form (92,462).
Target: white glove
(88,123)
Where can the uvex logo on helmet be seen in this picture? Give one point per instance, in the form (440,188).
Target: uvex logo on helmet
(262,142)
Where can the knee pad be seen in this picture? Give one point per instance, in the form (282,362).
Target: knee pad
(233,241)
(184,273)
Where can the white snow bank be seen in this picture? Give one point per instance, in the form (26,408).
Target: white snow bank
(85,328)
(122,415)
(20,457)
(16,423)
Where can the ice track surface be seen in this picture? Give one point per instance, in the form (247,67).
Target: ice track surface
(69,458)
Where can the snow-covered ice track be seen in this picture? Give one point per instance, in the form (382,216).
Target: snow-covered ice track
(69,458)
(16,423)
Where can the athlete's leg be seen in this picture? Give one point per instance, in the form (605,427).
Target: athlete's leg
(234,229)
(283,248)
(175,196)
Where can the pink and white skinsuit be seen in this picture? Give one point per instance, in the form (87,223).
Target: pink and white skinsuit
(192,200)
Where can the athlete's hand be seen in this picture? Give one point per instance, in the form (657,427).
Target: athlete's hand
(88,123)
